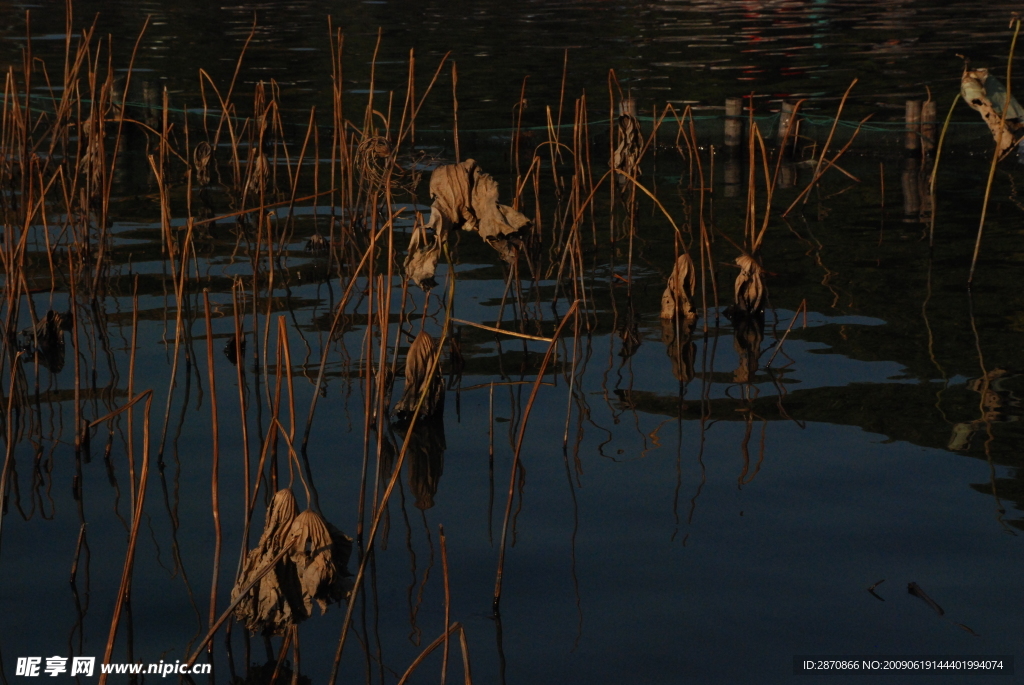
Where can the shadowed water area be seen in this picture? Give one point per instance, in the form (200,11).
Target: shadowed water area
(215,227)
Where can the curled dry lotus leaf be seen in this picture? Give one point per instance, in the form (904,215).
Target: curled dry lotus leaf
(257,176)
(202,156)
(677,300)
(419,380)
(987,96)
(265,607)
(463,197)
(626,156)
(313,568)
(320,554)
(424,252)
(749,288)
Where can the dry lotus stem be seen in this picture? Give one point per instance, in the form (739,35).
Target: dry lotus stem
(749,289)
(986,95)
(463,197)
(313,569)
(677,300)
(419,380)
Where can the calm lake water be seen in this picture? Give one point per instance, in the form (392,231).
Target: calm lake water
(701,512)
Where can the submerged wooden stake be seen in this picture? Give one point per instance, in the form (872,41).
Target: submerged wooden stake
(912,140)
(733,122)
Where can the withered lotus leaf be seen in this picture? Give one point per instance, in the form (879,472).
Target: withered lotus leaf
(987,96)
(419,380)
(311,567)
(749,290)
(463,197)
(677,300)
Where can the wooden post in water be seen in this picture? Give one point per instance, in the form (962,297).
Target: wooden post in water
(733,123)
(913,119)
(929,126)
(786,123)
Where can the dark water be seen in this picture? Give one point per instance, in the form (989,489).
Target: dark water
(705,529)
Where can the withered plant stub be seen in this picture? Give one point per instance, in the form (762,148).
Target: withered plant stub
(463,197)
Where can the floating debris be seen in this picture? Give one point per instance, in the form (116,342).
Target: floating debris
(232,349)
(317,244)
(677,300)
(987,96)
(45,341)
(463,197)
(961,626)
(312,567)
(915,589)
(419,381)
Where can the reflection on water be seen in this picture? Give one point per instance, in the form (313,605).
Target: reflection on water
(852,416)
(698,51)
